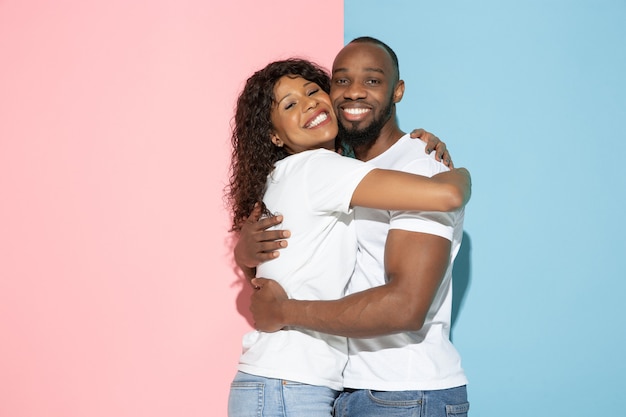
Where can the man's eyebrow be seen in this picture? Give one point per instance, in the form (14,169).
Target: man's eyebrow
(367,69)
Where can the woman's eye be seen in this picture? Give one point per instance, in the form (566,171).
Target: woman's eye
(313,91)
(289,105)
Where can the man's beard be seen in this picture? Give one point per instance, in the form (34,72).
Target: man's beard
(356,138)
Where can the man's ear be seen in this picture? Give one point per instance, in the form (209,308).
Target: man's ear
(398,92)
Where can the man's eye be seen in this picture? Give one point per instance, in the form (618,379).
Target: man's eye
(373,81)
(341,81)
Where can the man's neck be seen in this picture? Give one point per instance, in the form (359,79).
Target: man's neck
(389,135)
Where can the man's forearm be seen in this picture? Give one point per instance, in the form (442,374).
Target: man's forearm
(415,265)
(370,313)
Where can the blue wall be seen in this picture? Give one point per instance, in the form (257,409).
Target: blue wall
(531,97)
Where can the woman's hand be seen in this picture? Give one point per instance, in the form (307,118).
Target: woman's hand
(433,143)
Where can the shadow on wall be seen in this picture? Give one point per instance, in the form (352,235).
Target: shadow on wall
(242,302)
(461,277)
(243,299)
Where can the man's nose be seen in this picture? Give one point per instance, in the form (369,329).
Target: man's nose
(354,91)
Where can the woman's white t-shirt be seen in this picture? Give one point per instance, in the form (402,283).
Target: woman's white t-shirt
(312,189)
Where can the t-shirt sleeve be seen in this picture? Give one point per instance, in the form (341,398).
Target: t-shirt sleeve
(431,222)
(331,180)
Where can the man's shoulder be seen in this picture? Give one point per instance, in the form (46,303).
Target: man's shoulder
(409,155)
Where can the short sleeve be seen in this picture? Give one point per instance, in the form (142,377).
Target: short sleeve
(431,222)
(331,180)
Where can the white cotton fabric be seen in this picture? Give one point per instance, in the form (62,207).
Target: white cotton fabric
(423,360)
(312,190)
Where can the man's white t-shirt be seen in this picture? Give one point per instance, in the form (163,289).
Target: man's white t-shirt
(422,360)
(312,190)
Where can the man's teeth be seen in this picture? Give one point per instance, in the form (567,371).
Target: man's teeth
(319,119)
(356,111)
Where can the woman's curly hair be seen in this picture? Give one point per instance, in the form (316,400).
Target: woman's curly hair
(253,154)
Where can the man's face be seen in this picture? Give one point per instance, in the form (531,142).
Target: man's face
(362,92)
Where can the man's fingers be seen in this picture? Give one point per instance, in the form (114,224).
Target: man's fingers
(268,222)
(255,215)
(257,283)
(271,245)
(270,250)
(266,256)
(269,235)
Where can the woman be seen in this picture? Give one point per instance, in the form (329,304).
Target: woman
(283,154)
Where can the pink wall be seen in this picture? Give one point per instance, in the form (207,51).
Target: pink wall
(117,291)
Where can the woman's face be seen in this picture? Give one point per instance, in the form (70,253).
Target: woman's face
(302,116)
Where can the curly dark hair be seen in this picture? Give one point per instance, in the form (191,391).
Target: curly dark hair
(253,154)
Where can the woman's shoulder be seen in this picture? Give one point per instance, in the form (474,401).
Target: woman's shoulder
(313,154)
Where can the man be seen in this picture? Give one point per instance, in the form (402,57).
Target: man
(397,311)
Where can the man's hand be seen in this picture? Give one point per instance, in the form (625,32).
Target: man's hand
(415,265)
(256,244)
(265,304)
(433,143)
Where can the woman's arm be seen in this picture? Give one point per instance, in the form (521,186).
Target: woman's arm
(395,190)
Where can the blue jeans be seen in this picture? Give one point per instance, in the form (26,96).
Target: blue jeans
(257,396)
(437,403)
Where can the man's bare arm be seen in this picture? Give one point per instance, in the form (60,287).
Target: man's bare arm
(256,244)
(415,262)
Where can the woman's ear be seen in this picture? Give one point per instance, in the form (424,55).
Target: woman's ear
(276,140)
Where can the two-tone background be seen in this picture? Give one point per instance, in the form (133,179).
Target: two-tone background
(118,296)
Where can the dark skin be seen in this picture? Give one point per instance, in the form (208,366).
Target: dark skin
(359,314)
(256,244)
(415,263)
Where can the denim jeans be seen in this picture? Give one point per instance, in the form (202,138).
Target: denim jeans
(437,403)
(257,396)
